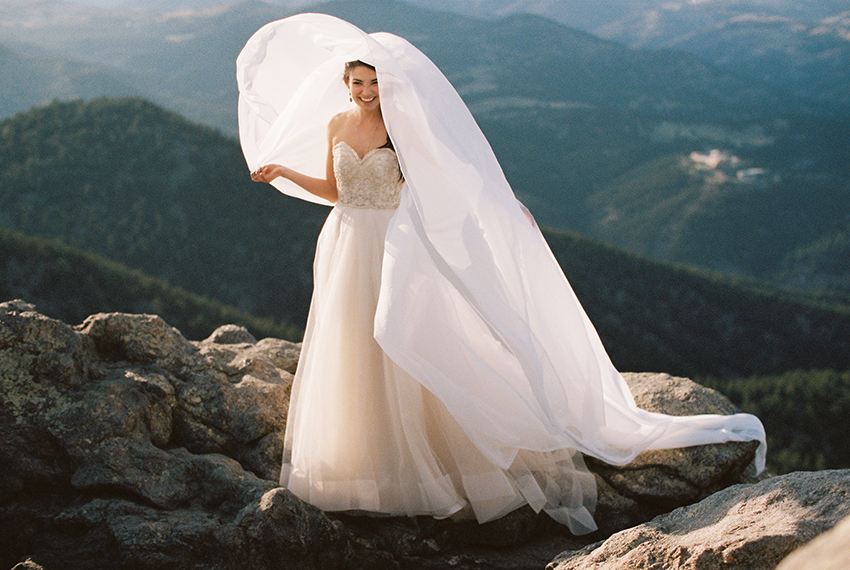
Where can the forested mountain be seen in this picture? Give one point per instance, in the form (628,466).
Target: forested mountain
(654,316)
(804,414)
(775,203)
(69,284)
(798,47)
(185,60)
(30,77)
(131,182)
(595,137)
(134,183)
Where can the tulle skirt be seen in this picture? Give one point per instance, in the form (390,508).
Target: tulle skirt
(363,435)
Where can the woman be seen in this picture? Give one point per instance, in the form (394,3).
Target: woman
(447,366)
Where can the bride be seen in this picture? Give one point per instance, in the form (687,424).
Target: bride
(447,367)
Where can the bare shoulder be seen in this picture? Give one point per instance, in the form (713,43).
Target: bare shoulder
(338,123)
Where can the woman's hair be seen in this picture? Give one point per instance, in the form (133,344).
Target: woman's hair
(349,65)
(346,73)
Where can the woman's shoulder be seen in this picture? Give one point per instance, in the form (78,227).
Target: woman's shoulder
(338,121)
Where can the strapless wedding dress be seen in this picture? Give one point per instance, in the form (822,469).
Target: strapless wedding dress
(363,435)
(447,362)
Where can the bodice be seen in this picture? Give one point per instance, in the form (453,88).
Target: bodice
(373,181)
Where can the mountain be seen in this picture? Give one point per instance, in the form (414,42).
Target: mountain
(185,59)
(805,52)
(30,77)
(800,412)
(594,136)
(656,316)
(600,13)
(69,284)
(798,47)
(136,184)
(172,58)
(775,204)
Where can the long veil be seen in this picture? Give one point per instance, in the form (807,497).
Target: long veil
(473,304)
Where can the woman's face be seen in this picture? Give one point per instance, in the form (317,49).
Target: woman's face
(363,84)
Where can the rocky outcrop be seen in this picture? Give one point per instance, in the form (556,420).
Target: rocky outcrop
(122,444)
(829,551)
(745,526)
(660,481)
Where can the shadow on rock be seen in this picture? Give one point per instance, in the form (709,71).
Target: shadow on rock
(122,444)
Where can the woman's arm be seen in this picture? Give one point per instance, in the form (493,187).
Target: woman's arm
(323,188)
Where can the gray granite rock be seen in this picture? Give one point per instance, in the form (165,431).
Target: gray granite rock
(122,444)
(750,526)
(658,481)
(829,551)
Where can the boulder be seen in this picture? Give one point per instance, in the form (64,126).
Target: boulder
(828,551)
(27,565)
(122,444)
(745,526)
(231,334)
(658,481)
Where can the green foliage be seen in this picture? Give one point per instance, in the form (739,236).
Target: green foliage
(588,131)
(785,224)
(659,317)
(132,183)
(136,184)
(69,285)
(804,414)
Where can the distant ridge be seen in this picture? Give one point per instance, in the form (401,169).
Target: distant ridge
(594,136)
(657,316)
(141,186)
(68,284)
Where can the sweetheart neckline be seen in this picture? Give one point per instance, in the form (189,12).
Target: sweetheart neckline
(365,156)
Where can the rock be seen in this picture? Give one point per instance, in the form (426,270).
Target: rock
(233,356)
(95,448)
(281,353)
(281,527)
(16,306)
(659,481)
(231,334)
(746,526)
(828,551)
(27,565)
(140,339)
(122,444)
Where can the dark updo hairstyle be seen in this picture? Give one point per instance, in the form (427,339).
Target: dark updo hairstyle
(346,73)
(349,65)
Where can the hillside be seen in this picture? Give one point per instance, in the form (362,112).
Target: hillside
(69,285)
(800,48)
(804,415)
(594,136)
(29,77)
(775,205)
(138,185)
(656,316)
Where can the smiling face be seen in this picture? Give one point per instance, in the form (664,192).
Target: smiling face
(362,82)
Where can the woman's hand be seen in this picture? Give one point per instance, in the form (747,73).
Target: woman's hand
(267,173)
(319,187)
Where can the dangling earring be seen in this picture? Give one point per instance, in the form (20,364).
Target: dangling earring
(350,100)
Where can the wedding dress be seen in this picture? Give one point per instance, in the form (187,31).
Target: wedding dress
(446,361)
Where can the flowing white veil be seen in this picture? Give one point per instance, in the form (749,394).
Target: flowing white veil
(473,304)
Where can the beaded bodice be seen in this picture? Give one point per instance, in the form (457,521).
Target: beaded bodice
(373,181)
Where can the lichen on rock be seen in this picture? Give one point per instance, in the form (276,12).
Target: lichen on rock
(122,444)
